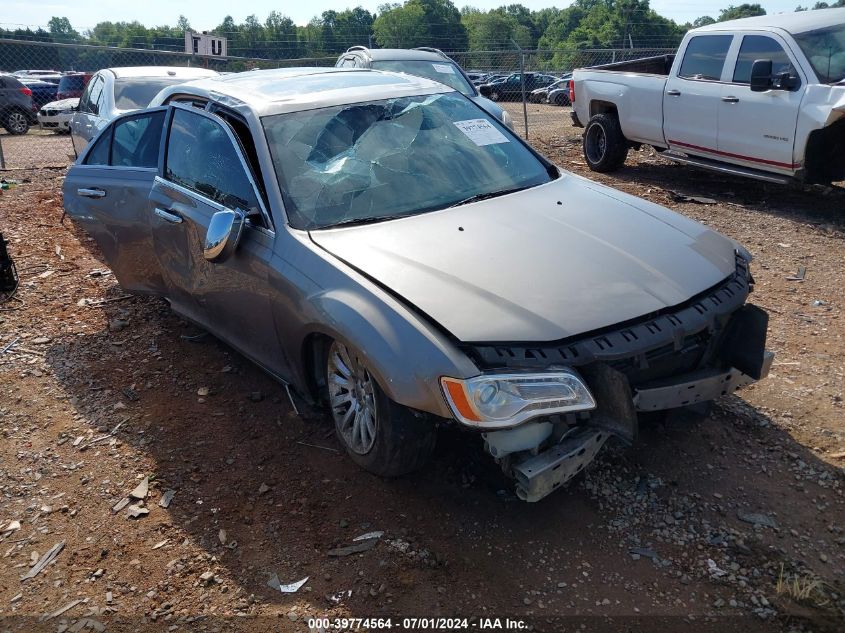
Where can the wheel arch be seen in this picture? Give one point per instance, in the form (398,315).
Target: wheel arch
(404,353)
(598,106)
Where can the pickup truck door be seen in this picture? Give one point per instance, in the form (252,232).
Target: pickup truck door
(107,193)
(757,129)
(203,172)
(693,93)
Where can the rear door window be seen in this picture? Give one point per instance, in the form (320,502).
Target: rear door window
(705,57)
(756,47)
(92,96)
(130,142)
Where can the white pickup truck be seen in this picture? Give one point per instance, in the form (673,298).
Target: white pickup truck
(760,97)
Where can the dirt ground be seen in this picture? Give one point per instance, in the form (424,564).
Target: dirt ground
(729,522)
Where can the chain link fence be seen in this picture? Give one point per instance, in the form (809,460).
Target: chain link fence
(530,84)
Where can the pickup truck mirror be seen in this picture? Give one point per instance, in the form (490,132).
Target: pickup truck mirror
(485,90)
(761,75)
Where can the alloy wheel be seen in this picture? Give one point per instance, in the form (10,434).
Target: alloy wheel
(596,143)
(352,399)
(17,122)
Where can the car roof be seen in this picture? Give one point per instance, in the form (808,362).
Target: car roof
(161,71)
(399,54)
(799,22)
(267,92)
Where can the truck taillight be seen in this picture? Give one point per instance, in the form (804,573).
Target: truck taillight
(26,91)
(572,91)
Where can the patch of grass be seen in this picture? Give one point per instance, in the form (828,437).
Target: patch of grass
(805,589)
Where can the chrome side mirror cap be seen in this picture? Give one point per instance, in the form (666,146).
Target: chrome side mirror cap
(223,235)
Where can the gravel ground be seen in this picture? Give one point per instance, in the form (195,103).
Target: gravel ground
(729,521)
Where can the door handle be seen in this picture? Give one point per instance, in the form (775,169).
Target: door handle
(730,99)
(168,215)
(91,193)
(673,93)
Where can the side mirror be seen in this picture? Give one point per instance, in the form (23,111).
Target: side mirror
(223,235)
(761,75)
(485,90)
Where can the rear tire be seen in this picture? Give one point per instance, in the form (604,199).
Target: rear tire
(605,147)
(381,436)
(16,122)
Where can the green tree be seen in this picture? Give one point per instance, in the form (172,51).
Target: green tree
(741,11)
(61,29)
(421,23)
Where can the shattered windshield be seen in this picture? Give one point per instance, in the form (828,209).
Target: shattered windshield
(386,159)
(445,72)
(825,48)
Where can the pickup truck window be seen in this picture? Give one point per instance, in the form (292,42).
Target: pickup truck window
(705,57)
(825,48)
(756,47)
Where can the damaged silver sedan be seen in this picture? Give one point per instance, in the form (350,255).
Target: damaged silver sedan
(382,245)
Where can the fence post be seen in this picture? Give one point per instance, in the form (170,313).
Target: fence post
(2,159)
(522,86)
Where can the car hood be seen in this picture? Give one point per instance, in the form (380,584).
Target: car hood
(544,264)
(62,104)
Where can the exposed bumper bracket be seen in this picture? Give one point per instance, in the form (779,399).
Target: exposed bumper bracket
(542,474)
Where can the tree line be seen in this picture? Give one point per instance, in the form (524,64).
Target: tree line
(584,24)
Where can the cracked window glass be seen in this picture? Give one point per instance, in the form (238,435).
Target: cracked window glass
(201,156)
(387,159)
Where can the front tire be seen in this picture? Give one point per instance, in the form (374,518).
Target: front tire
(16,123)
(379,435)
(605,146)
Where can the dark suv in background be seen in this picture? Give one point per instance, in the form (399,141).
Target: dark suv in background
(17,110)
(71,85)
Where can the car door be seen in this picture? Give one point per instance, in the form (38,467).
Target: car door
(204,172)
(693,94)
(757,129)
(83,125)
(107,192)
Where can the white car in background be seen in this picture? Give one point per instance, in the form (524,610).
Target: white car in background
(115,91)
(56,115)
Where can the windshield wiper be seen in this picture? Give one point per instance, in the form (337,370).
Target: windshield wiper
(486,196)
(360,221)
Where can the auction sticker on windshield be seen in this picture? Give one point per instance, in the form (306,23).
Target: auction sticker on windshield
(481,132)
(444,68)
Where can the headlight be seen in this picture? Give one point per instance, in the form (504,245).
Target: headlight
(506,118)
(506,400)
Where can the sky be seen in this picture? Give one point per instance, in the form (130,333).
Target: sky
(206,14)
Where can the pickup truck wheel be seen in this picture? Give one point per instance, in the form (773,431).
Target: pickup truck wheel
(16,123)
(605,147)
(379,435)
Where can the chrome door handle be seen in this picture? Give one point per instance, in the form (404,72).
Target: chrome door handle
(730,99)
(91,193)
(673,93)
(167,215)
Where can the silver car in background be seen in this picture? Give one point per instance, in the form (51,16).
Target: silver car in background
(114,91)
(383,245)
(427,62)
